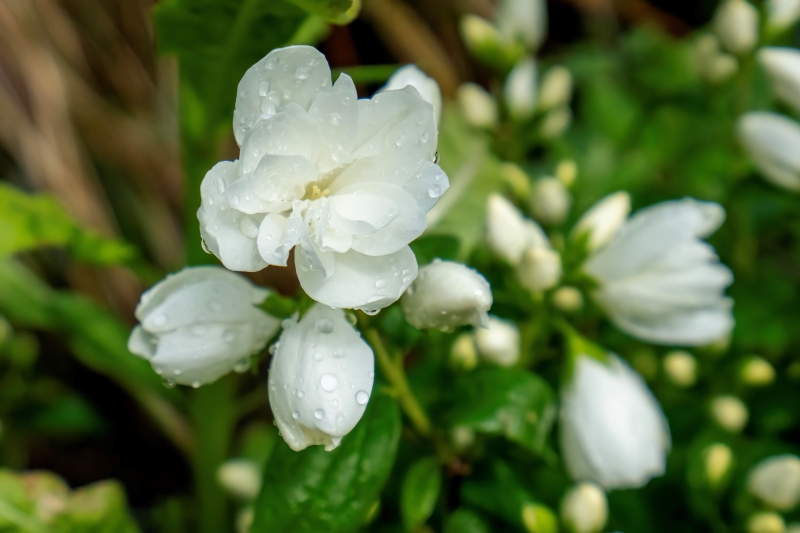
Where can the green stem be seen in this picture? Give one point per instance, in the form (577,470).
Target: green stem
(392,370)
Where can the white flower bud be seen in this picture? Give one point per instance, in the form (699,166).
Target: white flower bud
(773,141)
(446,295)
(479,34)
(520,90)
(463,437)
(540,269)
(556,88)
(509,234)
(525,20)
(550,201)
(320,378)
(240,477)
(766,523)
(776,481)
(584,509)
(555,122)
(783,67)
(538,519)
(424,84)
(681,368)
(498,342)
(517,179)
(604,219)
(463,354)
(736,25)
(756,372)
(782,13)
(567,299)
(477,106)
(730,413)
(567,172)
(717,462)
(199,324)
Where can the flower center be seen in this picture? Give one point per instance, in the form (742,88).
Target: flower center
(313,192)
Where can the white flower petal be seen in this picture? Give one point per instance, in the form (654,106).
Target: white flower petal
(604,219)
(359,281)
(336,113)
(277,236)
(498,342)
(320,379)
(773,141)
(294,74)
(783,66)
(142,343)
(291,132)
(428,186)
(424,84)
(273,186)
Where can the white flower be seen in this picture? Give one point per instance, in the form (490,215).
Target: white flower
(240,477)
(520,90)
(776,481)
(550,201)
(585,509)
(540,269)
(612,429)
(556,89)
(681,368)
(782,13)
(736,25)
(730,413)
(509,234)
(424,84)
(766,523)
(347,180)
(604,219)
(498,342)
(477,106)
(658,280)
(773,141)
(783,66)
(525,20)
(320,379)
(199,324)
(446,295)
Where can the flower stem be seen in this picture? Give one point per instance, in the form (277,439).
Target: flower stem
(392,369)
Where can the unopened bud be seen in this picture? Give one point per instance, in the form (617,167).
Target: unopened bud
(783,67)
(462,436)
(550,201)
(766,523)
(508,233)
(498,343)
(244,520)
(714,65)
(681,367)
(730,413)
(756,372)
(539,519)
(584,509)
(520,90)
(604,219)
(478,106)
(517,179)
(540,269)
(566,172)
(426,86)
(479,34)
(717,460)
(782,13)
(736,25)
(556,88)
(567,299)
(776,481)
(555,122)
(463,353)
(240,477)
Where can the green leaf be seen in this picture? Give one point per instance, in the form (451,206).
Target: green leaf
(430,247)
(503,401)
(420,491)
(465,521)
(498,492)
(97,508)
(336,11)
(314,490)
(279,306)
(33,221)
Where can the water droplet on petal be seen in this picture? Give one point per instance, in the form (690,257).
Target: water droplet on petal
(169,383)
(424,138)
(301,394)
(248,228)
(371,375)
(318,414)
(302,73)
(195,384)
(324,325)
(329,382)
(296,415)
(401,140)
(318,356)
(263,89)
(242,365)
(434,191)
(362,397)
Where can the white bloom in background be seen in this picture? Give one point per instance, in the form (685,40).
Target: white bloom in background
(555,122)
(550,201)
(776,481)
(446,295)
(540,269)
(478,33)
(783,66)
(730,413)
(240,477)
(659,282)
(681,368)
(498,342)
(509,234)
(717,462)
(736,25)
(782,13)
(199,324)
(424,84)
(478,106)
(320,379)
(766,523)
(556,88)
(348,181)
(604,219)
(584,509)
(525,20)
(612,429)
(520,90)
(773,141)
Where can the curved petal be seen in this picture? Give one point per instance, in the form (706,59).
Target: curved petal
(359,281)
(273,186)
(277,236)
(336,112)
(142,343)
(290,132)
(428,185)
(694,327)
(773,141)
(294,74)
(228,233)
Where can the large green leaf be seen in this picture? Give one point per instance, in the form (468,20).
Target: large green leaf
(420,491)
(314,490)
(504,401)
(338,11)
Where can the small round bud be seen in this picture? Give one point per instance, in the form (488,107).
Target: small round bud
(736,25)
(540,269)
(555,122)
(556,88)
(566,172)
(776,481)
(498,343)
(681,368)
(478,33)
(717,460)
(463,353)
(584,509)
(766,523)
(240,477)
(550,201)
(517,179)
(462,436)
(539,519)
(730,413)
(567,299)
(478,106)
(756,372)
(520,90)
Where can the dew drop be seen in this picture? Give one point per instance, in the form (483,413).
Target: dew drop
(318,356)
(248,228)
(296,415)
(301,394)
(335,118)
(302,73)
(362,397)
(371,375)
(169,383)
(318,414)
(401,140)
(324,325)
(424,138)
(195,384)
(236,200)
(242,365)
(221,185)
(263,89)
(434,191)
(328,382)
(381,283)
